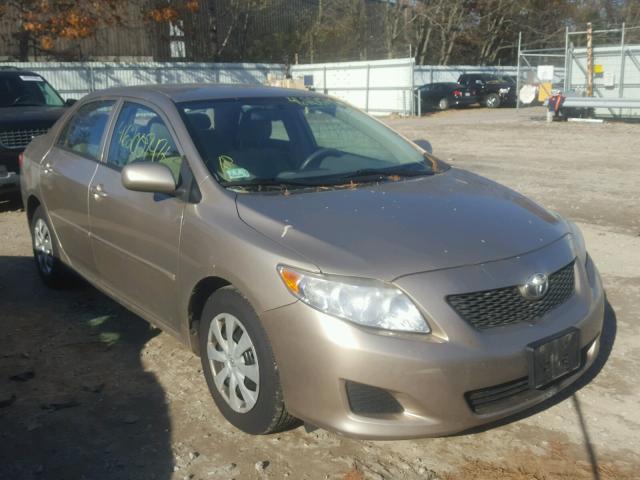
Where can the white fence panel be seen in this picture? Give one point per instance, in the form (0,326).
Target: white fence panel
(74,80)
(380,87)
(615,80)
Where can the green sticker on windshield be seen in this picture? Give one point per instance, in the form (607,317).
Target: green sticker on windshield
(237,173)
(229,170)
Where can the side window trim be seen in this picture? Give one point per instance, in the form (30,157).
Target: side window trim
(109,131)
(103,140)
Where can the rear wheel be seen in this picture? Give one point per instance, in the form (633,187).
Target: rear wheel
(51,270)
(443,104)
(239,365)
(492,100)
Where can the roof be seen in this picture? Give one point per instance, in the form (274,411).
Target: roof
(15,71)
(203,91)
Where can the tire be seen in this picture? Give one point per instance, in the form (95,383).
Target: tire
(52,271)
(443,104)
(257,406)
(492,100)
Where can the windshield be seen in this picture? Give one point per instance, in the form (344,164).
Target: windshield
(27,90)
(299,141)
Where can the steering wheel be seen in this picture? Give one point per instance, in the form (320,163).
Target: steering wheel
(313,160)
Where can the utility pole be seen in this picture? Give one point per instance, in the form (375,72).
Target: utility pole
(518,72)
(589,60)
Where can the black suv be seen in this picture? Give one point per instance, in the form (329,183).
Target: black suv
(29,106)
(492,90)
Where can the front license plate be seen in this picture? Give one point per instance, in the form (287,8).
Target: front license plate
(467,94)
(553,357)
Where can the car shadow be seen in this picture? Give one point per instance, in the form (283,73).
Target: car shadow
(607,339)
(75,399)
(10,203)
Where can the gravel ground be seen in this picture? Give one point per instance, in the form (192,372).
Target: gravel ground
(98,394)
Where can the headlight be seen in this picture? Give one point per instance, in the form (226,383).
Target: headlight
(365,302)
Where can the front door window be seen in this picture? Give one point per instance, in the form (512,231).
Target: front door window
(141,135)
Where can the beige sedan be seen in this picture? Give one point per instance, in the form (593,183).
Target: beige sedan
(325,269)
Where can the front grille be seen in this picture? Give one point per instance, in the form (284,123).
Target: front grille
(506,306)
(368,400)
(19,138)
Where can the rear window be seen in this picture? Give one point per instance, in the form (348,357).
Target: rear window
(27,89)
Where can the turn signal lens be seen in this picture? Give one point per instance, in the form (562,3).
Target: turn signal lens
(291,279)
(21,160)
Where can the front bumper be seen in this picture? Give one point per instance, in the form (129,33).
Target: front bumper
(428,375)
(465,101)
(9,182)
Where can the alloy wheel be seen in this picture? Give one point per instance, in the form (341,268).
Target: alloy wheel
(43,246)
(234,362)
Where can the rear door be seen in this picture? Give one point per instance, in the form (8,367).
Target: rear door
(135,235)
(65,175)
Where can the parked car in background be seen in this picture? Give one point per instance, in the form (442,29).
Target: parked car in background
(323,267)
(492,91)
(29,106)
(443,96)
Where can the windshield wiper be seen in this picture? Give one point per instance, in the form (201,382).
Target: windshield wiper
(276,183)
(368,174)
(376,173)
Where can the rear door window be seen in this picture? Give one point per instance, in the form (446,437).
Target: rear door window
(141,135)
(84,131)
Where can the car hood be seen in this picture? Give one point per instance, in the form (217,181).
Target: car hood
(16,118)
(393,229)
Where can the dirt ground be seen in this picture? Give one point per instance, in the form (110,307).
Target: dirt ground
(96,393)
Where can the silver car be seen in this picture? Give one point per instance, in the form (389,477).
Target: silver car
(325,269)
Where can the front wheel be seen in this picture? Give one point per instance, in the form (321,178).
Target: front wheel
(239,365)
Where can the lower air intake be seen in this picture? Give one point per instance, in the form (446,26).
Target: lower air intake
(368,400)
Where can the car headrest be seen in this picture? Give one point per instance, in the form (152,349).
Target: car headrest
(98,124)
(200,121)
(254,130)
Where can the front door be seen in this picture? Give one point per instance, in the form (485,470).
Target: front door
(65,175)
(135,235)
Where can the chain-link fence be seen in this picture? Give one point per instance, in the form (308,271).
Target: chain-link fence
(598,71)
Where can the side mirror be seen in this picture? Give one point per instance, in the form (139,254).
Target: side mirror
(425,145)
(70,101)
(148,177)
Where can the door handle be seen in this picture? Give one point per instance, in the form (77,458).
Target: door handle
(98,192)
